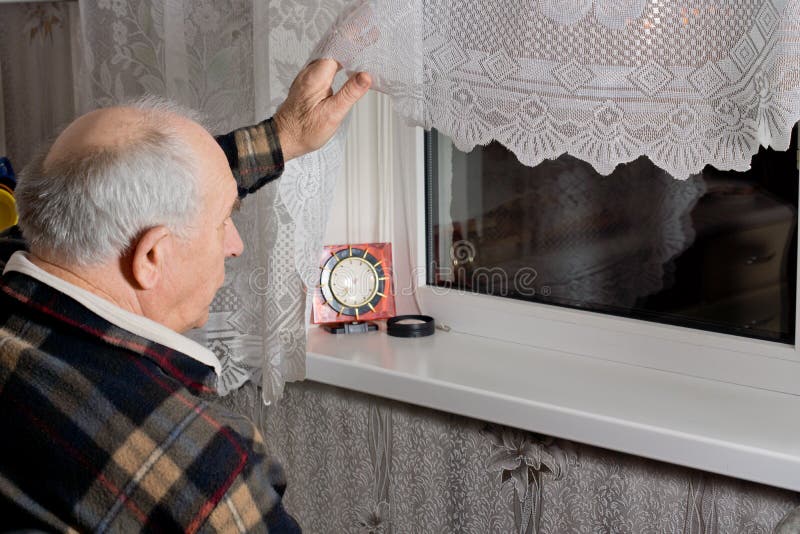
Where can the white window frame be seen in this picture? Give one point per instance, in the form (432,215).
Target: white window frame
(721,357)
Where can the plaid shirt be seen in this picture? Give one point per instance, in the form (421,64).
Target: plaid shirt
(105,430)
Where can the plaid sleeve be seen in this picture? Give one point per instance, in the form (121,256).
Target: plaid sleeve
(254,155)
(253,502)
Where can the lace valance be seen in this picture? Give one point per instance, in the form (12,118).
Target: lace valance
(685,83)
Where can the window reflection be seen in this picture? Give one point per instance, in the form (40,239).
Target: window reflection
(715,252)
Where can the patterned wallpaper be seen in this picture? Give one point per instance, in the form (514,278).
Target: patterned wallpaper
(358,463)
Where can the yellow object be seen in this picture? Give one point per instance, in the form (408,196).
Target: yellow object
(8,209)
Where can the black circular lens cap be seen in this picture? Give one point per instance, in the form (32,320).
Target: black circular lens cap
(397,328)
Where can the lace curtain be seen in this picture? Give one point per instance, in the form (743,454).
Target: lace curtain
(684,83)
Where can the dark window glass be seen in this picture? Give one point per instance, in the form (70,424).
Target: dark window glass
(714,252)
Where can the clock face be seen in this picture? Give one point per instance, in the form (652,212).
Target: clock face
(353,282)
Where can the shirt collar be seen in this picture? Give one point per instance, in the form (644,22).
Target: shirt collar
(136,324)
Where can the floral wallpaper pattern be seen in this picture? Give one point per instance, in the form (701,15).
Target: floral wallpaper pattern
(358,463)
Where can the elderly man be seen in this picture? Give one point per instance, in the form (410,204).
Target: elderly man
(107,412)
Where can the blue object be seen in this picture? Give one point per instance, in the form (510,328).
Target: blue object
(8,206)
(7,175)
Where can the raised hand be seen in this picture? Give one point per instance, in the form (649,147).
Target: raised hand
(311,113)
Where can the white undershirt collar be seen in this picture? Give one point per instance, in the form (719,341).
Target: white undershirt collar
(136,324)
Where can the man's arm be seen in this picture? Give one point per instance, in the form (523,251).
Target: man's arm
(254,155)
(247,507)
(305,121)
(253,502)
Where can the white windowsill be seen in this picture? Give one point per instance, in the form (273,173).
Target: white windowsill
(733,430)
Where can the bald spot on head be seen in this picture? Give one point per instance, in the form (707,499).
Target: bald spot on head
(112,128)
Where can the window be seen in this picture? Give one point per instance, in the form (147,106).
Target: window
(478,247)
(715,252)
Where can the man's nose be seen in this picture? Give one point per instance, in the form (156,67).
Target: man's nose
(233,242)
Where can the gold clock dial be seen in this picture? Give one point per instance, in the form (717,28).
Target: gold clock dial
(354,282)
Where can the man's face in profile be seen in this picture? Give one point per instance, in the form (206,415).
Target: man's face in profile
(196,270)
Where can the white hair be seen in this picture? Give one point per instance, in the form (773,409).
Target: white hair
(89,208)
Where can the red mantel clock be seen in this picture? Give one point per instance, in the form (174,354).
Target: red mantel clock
(355,284)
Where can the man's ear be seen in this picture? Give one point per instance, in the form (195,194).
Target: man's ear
(149,256)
